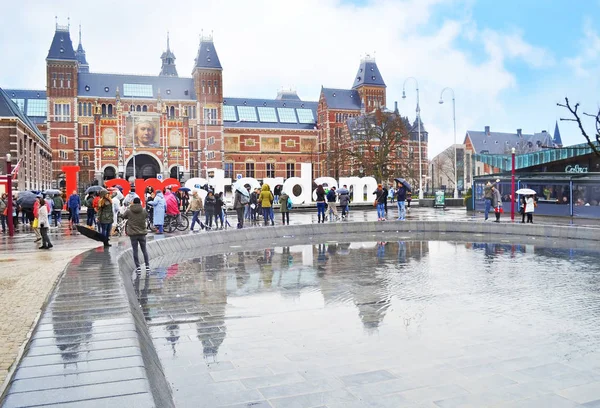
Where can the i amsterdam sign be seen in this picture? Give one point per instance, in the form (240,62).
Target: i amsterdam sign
(218,182)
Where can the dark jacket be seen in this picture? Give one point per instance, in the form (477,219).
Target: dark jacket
(401,194)
(58,203)
(105,211)
(320,197)
(136,217)
(237,200)
(344,196)
(380,196)
(219,204)
(331,196)
(209,204)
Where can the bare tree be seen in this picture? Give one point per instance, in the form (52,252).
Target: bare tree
(577,117)
(375,141)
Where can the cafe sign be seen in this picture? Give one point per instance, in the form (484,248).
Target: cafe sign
(575,169)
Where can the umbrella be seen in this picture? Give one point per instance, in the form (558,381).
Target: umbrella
(26,199)
(51,191)
(94,189)
(90,233)
(403,182)
(525,191)
(185,189)
(240,187)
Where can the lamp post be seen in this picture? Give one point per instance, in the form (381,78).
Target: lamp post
(454,120)
(419,132)
(512,186)
(9,206)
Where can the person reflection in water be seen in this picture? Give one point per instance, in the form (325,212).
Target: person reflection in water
(145,134)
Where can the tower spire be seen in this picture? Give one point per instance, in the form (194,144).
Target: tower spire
(168,48)
(79,34)
(168,61)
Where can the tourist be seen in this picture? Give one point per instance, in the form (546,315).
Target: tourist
(159,207)
(332,204)
(266,202)
(43,223)
(380,200)
(496,202)
(128,200)
(284,208)
(15,214)
(3,211)
(74,204)
(209,209)
(32,216)
(219,209)
(391,194)
(529,208)
(522,203)
(136,217)
(116,206)
(487,197)
(344,196)
(253,207)
(105,216)
(401,197)
(408,200)
(57,206)
(195,207)
(385,202)
(320,192)
(277,193)
(91,212)
(239,203)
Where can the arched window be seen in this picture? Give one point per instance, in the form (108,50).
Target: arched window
(110,109)
(103,109)
(79,113)
(172,112)
(138,108)
(144,108)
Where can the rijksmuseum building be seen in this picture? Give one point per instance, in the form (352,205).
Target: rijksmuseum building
(119,125)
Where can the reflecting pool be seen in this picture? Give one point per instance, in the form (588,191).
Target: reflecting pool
(379,324)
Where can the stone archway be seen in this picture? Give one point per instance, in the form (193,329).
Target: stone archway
(146,167)
(109,173)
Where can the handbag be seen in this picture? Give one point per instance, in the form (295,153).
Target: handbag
(499,210)
(375,203)
(5,212)
(35,224)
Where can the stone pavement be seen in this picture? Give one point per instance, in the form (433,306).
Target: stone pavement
(28,275)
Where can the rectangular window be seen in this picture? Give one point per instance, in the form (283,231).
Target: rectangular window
(63,155)
(36,107)
(61,80)
(228,169)
(68,80)
(20,103)
(216,87)
(54,76)
(210,155)
(86,145)
(210,116)
(290,170)
(287,115)
(305,115)
(209,86)
(62,112)
(267,114)
(271,170)
(211,140)
(85,130)
(229,113)
(139,90)
(247,113)
(250,169)
(203,85)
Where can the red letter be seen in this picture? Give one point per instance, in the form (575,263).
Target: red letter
(141,184)
(70,178)
(118,182)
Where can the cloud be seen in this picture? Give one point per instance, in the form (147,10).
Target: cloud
(501,46)
(587,63)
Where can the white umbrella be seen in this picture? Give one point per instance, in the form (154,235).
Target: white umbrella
(525,191)
(240,187)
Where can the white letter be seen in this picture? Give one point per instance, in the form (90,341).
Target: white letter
(304,181)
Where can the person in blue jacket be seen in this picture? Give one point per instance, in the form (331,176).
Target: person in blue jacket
(160,207)
(74,205)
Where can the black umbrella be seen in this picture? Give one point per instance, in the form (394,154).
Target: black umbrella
(90,233)
(184,189)
(403,182)
(94,189)
(26,199)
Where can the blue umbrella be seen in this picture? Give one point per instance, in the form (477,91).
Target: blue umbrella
(240,187)
(184,189)
(403,182)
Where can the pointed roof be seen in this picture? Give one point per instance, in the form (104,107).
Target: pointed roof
(368,74)
(415,127)
(62,46)
(557,140)
(10,109)
(345,99)
(168,62)
(207,55)
(80,55)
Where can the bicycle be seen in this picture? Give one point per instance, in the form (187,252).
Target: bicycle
(179,222)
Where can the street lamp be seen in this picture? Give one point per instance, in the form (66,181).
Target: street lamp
(419,132)
(454,119)
(512,185)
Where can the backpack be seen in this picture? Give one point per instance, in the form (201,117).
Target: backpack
(244,199)
(289,204)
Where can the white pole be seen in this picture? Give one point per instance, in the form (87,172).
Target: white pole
(133,140)
(420,159)
(455,159)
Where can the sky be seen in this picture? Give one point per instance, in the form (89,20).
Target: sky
(508,62)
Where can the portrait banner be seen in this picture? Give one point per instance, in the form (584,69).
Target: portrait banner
(142,131)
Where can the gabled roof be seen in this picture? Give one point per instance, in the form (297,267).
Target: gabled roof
(557,139)
(368,74)
(344,99)
(502,143)
(9,109)
(269,103)
(415,126)
(62,46)
(105,85)
(207,55)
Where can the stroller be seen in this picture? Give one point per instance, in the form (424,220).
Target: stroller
(121,223)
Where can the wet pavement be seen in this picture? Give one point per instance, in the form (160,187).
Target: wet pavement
(392,323)
(315,323)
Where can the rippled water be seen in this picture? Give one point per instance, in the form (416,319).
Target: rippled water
(378,324)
